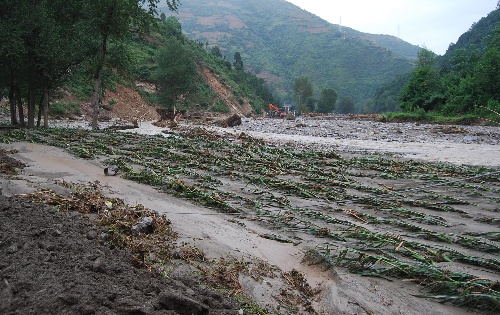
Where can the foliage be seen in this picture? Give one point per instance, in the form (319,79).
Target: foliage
(302,93)
(39,47)
(125,49)
(237,63)
(172,29)
(346,105)
(43,41)
(466,78)
(176,72)
(216,51)
(112,20)
(476,36)
(422,90)
(59,108)
(387,97)
(220,107)
(327,100)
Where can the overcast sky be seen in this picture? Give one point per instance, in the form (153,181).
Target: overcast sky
(430,23)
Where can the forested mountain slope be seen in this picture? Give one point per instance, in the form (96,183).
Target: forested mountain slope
(475,38)
(280,42)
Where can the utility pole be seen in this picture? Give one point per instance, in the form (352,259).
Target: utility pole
(340,28)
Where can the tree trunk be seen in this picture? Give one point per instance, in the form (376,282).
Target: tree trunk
(19,102)
(43,107)
(100,64)
(40,109)
(30,43)
(31,107)
(12,104)
(96,97)
(46,107)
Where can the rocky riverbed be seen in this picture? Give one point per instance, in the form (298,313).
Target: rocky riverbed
(352,129)
(439,143)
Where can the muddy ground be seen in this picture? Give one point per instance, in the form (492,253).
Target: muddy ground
(61,263)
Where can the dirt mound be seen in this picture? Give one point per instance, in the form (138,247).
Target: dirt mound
(55,263)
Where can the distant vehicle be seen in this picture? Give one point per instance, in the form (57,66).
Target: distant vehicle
(274,111)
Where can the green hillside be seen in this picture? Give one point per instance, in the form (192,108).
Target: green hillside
(281,42)
(475,38)
(466,80)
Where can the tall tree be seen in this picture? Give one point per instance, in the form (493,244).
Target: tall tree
(216,51)
(176,72)
(423,88)
(327,100)
(173,28)
(12,53)
(302,92)
(346,105)
(238,62)
(64,44)
(42,39)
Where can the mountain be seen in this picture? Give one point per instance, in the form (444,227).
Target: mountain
(475,38)
(280,42)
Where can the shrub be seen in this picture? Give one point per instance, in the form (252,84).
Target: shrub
(61,108)
(220,107)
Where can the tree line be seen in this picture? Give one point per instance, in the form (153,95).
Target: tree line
(468,83)
(43,41)
(327,102)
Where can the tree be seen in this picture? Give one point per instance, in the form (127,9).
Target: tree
(216,51)
(238,63)
(368,106)
(42,43)
(346,105)
(487,72)
(311,104)
(64,44)
(423,88)
(173,28)
(302,92)
(176,72)
(327,100)
(43,40)
(13,53)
